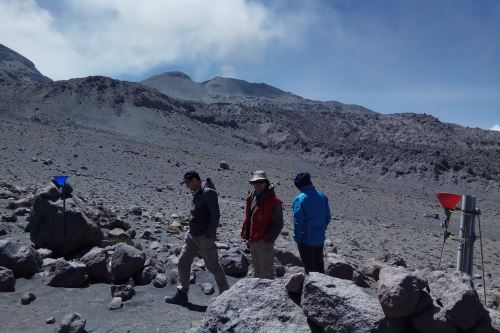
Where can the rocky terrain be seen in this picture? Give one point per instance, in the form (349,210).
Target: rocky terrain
(125,147)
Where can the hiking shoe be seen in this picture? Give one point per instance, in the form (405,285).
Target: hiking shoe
(180,298)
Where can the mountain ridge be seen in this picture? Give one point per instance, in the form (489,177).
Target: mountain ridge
(16,67)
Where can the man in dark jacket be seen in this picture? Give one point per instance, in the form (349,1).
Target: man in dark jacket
(262,225)
(311,216)
(200,239)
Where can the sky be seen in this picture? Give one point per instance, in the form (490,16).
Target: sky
(436,57)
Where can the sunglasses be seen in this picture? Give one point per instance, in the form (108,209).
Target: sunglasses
(259,182)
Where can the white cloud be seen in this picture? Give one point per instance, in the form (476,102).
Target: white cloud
(495,128)
(125,36)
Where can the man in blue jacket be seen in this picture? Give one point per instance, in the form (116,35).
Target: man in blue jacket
(311,216)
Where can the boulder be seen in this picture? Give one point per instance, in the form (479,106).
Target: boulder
(96,261)
(455,293)
(337,267)
(287,256)
(234,263)
(124,291)
(126,261)
(338,305)
(65,235)
(294,283)
(254,305)
(7,280)
(372,267)
(115,236)
(432,320)
(66,274)
(145,276)
(72,323)
(23,260)
(115,223)
(399,291)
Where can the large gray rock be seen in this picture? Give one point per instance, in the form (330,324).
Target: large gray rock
(336,266)
(115,236)
(63,235)
(399,291)
(294,283)
(7,280)
(234,263)
(254,305)
(372,267)
(72,323)
(455,293)
(23,260)
(338,305)
(96,261)
(287,256)
(432,320)
(66,274)
(125,262)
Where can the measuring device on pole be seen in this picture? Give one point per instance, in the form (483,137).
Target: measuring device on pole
(60,182)
(467,232)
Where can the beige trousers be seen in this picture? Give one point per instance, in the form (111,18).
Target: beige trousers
(263,259)
(208,251)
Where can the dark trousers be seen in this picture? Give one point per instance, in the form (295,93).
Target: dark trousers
(312,258)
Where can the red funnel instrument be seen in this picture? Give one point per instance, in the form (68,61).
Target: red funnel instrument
(448,200)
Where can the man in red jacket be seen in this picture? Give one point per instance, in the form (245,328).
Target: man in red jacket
(262,225)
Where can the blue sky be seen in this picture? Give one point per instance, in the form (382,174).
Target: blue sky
(436,57)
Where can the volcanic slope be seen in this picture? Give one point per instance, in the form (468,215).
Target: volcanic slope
(123,143)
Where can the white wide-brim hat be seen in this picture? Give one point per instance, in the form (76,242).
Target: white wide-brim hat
(258,176)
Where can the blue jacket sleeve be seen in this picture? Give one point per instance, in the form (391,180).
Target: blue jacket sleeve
(328,215)
(298,220)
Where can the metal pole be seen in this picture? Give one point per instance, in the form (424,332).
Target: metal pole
(467,235)
(64,215)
